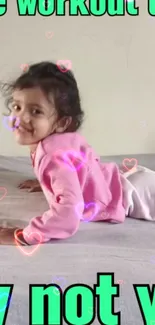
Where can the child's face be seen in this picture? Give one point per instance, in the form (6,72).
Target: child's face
(32,116)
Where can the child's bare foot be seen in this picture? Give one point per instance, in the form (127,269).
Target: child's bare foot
(32,185)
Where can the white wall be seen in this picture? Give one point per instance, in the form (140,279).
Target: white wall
(113,61)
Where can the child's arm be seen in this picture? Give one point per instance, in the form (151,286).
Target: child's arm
(31,184)
(61,220)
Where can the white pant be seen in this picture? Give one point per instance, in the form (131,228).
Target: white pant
(139,193)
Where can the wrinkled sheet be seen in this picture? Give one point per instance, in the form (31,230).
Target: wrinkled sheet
(126,249)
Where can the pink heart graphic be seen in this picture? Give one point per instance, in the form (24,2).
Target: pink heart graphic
(61,64)
(24,67)
(5,118)
(49,34)
(86,206)
(120,281)
(5,190)
(22,248)
(132,160)
(77,158)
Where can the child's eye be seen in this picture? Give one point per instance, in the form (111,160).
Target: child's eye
(15,107)
(36,111)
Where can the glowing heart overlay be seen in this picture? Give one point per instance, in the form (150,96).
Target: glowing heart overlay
(153,259)
(62,63)
(62,280)
(34,247)
(49,34)
(86,206)
(24,67)
(5,118)
(120,281)
(74,156)
(126,162)
(5,190)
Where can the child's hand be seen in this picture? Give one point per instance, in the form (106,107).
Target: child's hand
(31,184)
(7,236)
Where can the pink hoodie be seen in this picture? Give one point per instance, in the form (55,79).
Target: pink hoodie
(77,187)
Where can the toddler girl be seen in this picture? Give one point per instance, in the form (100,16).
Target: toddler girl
(45,110)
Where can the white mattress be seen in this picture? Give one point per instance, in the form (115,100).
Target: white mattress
(127,249)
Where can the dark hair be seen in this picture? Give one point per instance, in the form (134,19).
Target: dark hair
(51,80)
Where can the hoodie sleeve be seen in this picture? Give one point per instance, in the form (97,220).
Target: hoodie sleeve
(61,220)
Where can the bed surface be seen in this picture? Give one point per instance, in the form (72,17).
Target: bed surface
(126,249)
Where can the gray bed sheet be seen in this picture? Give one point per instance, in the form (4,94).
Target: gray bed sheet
(126,249)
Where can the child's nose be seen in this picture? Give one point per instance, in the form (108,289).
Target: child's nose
(24,117)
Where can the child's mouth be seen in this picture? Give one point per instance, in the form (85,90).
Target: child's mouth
(22,129)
